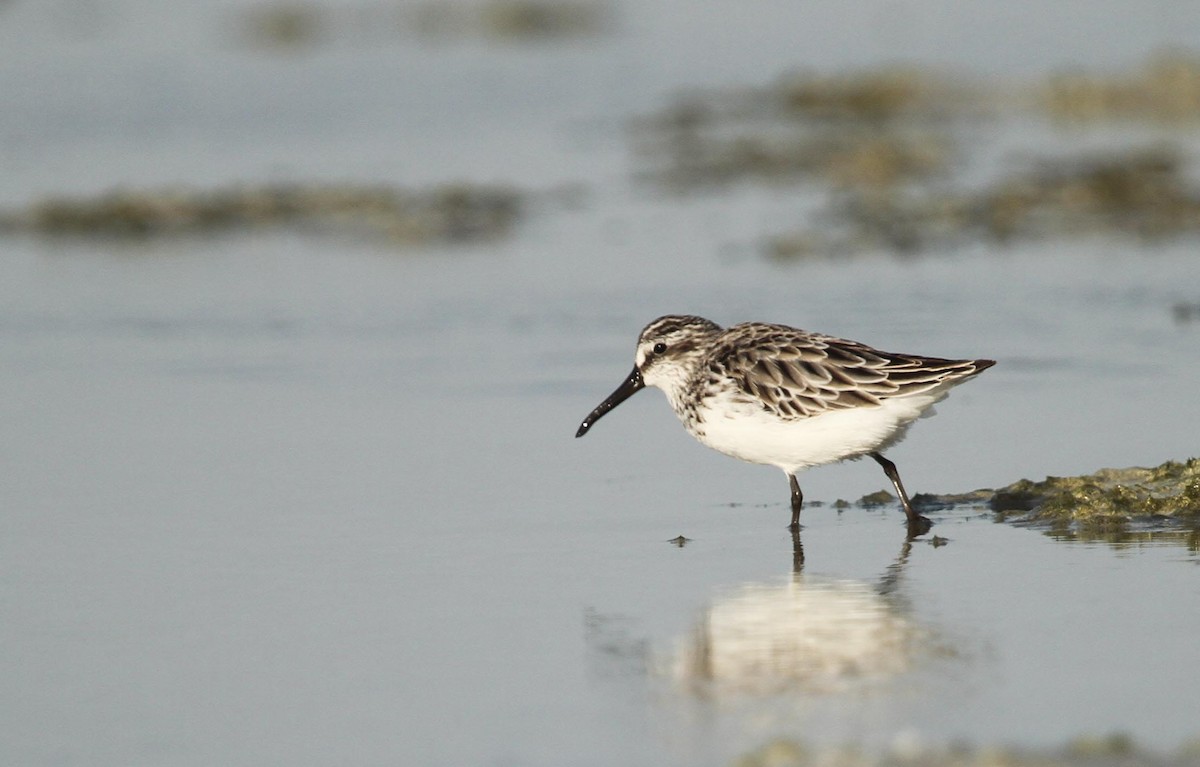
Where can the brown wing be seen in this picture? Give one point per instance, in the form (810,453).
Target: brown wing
(796,374)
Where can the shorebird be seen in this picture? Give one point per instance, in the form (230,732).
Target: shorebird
(785,397)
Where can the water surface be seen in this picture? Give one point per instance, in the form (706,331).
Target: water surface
(273,499)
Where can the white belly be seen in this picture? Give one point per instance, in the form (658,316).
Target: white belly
(754,435)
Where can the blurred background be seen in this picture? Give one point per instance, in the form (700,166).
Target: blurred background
(303,301)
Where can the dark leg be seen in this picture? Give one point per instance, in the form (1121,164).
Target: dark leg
(889,469)
(797,501)
(915,520)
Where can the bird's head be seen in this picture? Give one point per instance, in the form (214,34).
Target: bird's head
(668,351)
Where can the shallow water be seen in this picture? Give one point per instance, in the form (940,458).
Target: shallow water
(273,499)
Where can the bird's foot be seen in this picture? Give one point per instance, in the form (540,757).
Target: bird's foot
(918,526)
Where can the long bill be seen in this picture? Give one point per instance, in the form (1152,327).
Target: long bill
(626,390)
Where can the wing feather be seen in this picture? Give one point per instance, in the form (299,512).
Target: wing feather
(795,374)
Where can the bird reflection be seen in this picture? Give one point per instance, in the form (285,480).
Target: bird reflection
(807,633)
(914,531)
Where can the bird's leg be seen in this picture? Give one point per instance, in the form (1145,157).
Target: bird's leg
(916,523)
(797,501)
(889,469)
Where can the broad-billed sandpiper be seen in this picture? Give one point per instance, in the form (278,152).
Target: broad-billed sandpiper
(785,397)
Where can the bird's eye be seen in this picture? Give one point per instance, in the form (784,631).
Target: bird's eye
(660,347)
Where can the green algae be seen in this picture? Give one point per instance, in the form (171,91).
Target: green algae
(864,130)
(931,502)
(1109,496)
(1113,749)
(445,214)
(539,19)
(1166,89)
(888,150)
(1125,508)
(878,498)
(302,26)
(1142,192)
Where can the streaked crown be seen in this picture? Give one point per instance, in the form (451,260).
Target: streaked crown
(670,348)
